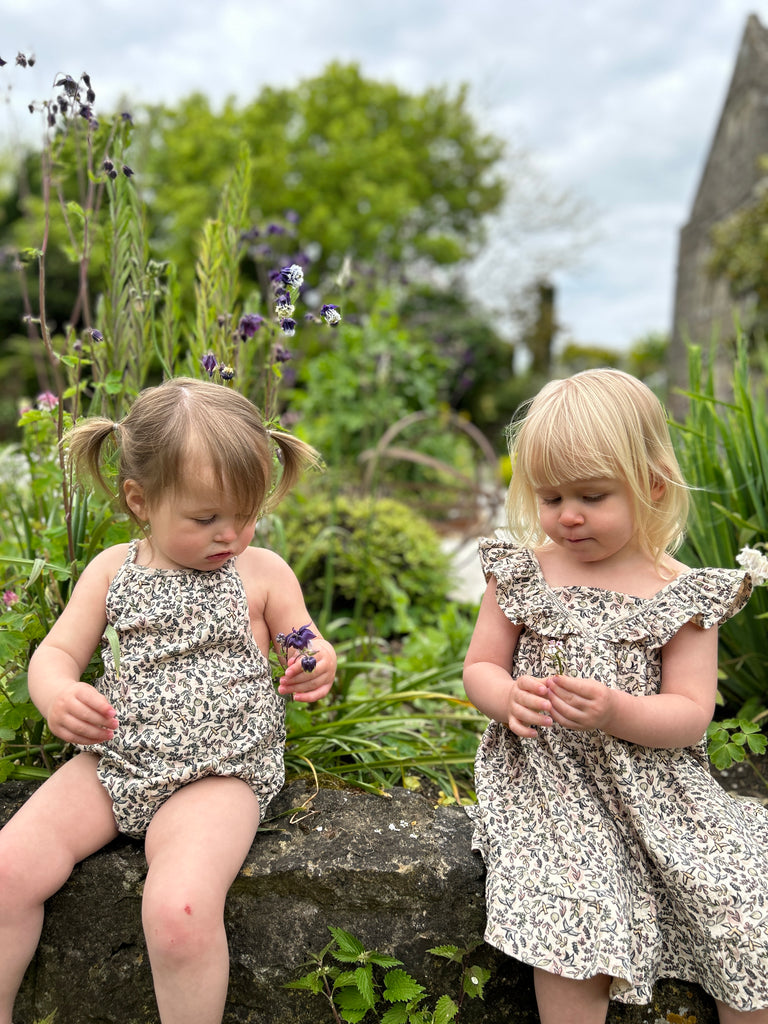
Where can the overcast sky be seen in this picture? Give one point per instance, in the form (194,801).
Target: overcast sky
(615,101)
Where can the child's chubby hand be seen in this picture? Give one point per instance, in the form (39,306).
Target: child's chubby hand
(314,685)
(80,714)
(528,706)
(579,704)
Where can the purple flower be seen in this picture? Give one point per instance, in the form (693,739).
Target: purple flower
(300,638)
(288,326)
(249,324)
(293,276)
(96,335)
(10,597)
(308,663)
(282,354)
(209,363)
(331,314)
(226,372)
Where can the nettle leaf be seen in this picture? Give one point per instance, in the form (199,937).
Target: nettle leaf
(446,1010)
(348,945)
(399,986)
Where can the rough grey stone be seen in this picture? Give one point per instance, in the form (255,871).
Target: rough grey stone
(397,873)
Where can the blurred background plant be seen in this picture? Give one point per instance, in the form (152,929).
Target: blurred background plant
(723,451)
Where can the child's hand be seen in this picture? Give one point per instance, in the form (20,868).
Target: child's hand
(310,686)
(80,714)
(529,705)
(579,704)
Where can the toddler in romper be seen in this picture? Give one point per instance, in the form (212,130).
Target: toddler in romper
(181,740)
(613,857)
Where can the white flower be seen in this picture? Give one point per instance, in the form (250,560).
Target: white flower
(755,563)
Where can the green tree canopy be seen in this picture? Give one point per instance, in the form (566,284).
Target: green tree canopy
(373,174)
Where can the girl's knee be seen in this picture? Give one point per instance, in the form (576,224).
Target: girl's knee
(181,928)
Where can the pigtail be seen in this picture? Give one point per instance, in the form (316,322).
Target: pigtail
(84,444)
(296,457)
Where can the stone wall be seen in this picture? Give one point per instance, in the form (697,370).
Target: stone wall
(397,873)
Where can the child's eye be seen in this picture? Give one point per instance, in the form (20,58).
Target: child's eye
(593,497)
(549,501)
(205,522)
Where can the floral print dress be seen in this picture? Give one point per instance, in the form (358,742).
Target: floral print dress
(192,691)
(602,856)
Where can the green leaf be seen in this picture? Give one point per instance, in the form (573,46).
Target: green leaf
(446,1010)
(399,986)
(347,943)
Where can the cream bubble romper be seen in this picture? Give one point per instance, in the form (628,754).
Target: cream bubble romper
(192,692)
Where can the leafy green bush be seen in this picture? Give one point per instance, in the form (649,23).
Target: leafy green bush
(377,562)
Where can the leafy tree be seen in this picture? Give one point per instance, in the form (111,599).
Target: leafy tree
(372,173)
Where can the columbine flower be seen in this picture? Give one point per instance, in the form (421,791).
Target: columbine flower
(288,326)
(284,308)
(281,354)
(96,335)
(249,324)
(10,597)
(47,400)
(293,276)
(301,640)
(226,372)
(331,314)
(209,363)
(755,563)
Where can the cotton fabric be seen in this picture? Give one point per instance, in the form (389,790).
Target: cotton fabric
(193,693)
(602,856)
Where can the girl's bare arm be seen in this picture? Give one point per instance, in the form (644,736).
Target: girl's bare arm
(76,711)
(518,703)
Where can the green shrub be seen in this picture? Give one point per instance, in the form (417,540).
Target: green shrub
(376,562)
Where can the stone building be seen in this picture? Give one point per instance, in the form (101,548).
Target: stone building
(704,308)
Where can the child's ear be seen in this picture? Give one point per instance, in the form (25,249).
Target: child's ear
(135,500)
(658,487)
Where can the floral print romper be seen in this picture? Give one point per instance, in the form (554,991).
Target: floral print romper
(192,691)
(602,856)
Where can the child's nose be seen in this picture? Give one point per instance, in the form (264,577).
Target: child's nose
(570,514)
(226,531)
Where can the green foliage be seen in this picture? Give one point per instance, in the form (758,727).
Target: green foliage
(730,740)
(723,451)
(374,173)
(378,984)
(383,563)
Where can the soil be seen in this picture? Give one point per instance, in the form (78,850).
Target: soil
(748,778)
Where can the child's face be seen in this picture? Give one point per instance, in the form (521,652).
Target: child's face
(590,520)
(198,527)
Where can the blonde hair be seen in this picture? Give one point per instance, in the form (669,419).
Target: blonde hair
(598,424)
(184,420)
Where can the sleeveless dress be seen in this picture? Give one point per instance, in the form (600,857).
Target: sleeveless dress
(602,856)
(192,691)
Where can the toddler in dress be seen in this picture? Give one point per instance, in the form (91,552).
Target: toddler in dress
(612,856)
(181,740)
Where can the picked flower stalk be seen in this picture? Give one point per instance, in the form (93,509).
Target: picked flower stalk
(556,655)
(300,640)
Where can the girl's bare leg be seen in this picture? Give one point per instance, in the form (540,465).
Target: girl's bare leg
(196,844)
(729,1016)
(65,820)
(565,1001)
